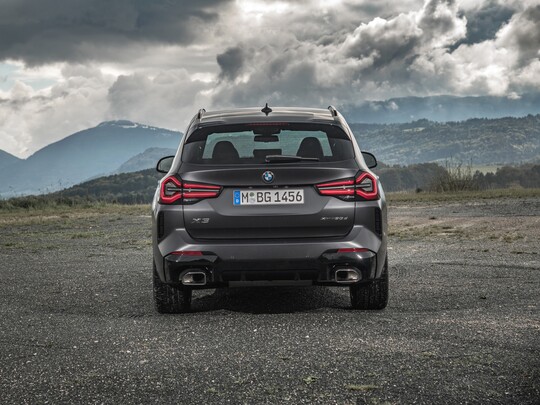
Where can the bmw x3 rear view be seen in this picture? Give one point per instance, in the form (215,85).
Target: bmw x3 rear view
(269,197)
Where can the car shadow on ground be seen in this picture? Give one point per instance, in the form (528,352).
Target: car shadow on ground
(249,300)
(270,300)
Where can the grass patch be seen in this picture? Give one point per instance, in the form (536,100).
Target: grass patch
(424,231)
(66,214)
(456,196)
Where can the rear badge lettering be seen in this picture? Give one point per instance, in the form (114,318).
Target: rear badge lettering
(334,218)
(200,220)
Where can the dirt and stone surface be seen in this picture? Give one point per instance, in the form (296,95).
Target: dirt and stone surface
(77,323)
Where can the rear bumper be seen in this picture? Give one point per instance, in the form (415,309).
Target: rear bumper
(269,261)
(223,273)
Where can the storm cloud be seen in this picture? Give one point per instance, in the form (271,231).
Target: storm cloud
(69,64)
(426,51)
(485,22)
(41,31)
(231,62)
(523,33)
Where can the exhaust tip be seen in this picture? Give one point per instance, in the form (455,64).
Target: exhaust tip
(194,278)
(347,276)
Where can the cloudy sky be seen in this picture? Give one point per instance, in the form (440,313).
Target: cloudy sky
(66,65)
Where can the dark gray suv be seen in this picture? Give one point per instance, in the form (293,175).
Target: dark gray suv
(280,196)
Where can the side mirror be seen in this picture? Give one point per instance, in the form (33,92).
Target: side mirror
(370,159)
(164,164)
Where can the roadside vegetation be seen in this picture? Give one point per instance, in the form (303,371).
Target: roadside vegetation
(457,196)
(456,176)
(420,182)
(53,205)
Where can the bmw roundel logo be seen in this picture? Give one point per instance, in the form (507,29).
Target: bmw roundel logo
(268,176)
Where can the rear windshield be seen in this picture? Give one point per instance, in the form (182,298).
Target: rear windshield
(253,143)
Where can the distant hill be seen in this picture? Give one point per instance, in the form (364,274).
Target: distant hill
(482,141)
(86,154)
(126,188)
(442,108)
(7,159)
(145,160)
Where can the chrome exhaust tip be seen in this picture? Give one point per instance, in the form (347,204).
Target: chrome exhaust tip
(194,278)
(347,276)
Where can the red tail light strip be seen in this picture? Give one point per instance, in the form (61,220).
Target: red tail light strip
(342,187)
(205,186)
(352,250)
(342,183)
(186,253)
(173,190)
(195,190)
(267,124)
(342,191)
(365,186)
(201,194)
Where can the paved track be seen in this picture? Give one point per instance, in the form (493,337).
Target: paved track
(77,323)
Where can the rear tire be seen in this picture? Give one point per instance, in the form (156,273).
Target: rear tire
(169,299)
(371,295)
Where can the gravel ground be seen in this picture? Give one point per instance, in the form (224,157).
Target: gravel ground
(77,323)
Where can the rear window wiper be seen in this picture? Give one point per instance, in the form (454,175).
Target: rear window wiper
(288,158)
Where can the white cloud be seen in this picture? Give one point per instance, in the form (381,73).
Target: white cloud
(291,53)
(375,60)
(31,119)
(167,99)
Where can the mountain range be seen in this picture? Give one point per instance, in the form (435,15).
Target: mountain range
(475,141)
(87,154)
(442,108)
(7,159)
(115,147)
(145,160)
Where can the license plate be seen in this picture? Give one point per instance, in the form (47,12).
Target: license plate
(268,197)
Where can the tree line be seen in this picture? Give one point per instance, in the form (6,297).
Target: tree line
(456,177)
(139,187)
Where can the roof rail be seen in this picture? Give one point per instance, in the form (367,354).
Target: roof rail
(333,110)
(200,113)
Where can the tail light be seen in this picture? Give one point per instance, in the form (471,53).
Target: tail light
(366,186)
(171,190)
(174,190)
(337,188)
(199,191)
(186,253)
(363,187)
(352,250)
